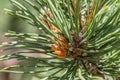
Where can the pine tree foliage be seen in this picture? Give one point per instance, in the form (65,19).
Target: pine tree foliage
(78,39)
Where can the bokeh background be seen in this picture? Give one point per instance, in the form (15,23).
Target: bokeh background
(10,23)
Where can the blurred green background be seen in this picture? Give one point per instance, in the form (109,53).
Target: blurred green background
(4,19)
(12,23)
(8,22)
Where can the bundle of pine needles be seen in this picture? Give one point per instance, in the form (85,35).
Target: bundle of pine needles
(79,39)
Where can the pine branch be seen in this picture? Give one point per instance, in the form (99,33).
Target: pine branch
(80,39)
